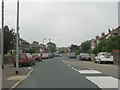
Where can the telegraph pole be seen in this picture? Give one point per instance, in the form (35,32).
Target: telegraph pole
(2,34)
(17,40)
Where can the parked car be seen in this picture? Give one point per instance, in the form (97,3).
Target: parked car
(56,54)
(45,55)
(85,56)
(72,55)
(25,59)
(37,57)
(51,55)
(104,57)
(60,55)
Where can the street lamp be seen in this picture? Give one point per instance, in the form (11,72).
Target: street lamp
(2,36)
(17,40)
(44,40)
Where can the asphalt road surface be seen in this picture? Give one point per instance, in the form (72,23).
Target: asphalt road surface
(55,73)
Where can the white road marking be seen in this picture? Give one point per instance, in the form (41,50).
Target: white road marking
(69,65)
(15,85)
(17,77)
(89,72)
(104,81)
(30,68)
(74,69)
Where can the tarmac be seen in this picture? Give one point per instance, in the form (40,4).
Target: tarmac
(9,78)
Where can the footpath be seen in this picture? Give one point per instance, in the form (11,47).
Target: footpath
(10,79)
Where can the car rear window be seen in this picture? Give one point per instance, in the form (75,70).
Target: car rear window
(22,56)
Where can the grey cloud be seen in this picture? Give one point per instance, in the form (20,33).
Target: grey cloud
(64,23)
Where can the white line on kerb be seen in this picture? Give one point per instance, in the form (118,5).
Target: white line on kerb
(21,80)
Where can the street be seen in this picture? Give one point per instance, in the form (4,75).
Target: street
(55,73)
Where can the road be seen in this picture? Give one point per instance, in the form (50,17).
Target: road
(56,73)
(108,69)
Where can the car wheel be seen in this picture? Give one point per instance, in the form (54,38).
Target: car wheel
(95,61)
(112,62)
(33,63)
(29,64)
(100,62)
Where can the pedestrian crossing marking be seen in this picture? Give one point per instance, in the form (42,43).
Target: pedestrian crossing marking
(104,81)
(17,78)
(89,72)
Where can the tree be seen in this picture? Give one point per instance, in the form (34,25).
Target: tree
(85,47)
(32,51)
(9,39)
(51,46)
(108,45)
(113,43)
(74,48)
(101,46)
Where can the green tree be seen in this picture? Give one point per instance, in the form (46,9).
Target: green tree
(9,39)
(85,47)
(51,46)
(74,48)
(108,45)
(113,43)
(32,51)
(101,47)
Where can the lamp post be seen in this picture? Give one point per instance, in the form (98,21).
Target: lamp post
(17,40)
(44,40)
(2,36)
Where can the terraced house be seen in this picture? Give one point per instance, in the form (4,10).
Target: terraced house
(103,36)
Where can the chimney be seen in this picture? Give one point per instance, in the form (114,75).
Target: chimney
(97,37)
(109,30)
(103,34)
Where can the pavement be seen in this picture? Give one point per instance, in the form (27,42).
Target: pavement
(9,77)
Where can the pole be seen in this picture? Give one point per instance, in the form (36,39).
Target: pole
(2,36)
(17,40)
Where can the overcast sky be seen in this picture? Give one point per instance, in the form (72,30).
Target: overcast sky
(65,23)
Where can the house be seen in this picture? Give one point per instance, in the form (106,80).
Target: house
(35,45)
(24,45)
(104,36)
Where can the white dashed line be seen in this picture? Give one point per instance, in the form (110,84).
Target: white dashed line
(104,81)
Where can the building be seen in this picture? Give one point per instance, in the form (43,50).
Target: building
(35,45)
(24,45)
(104,36)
